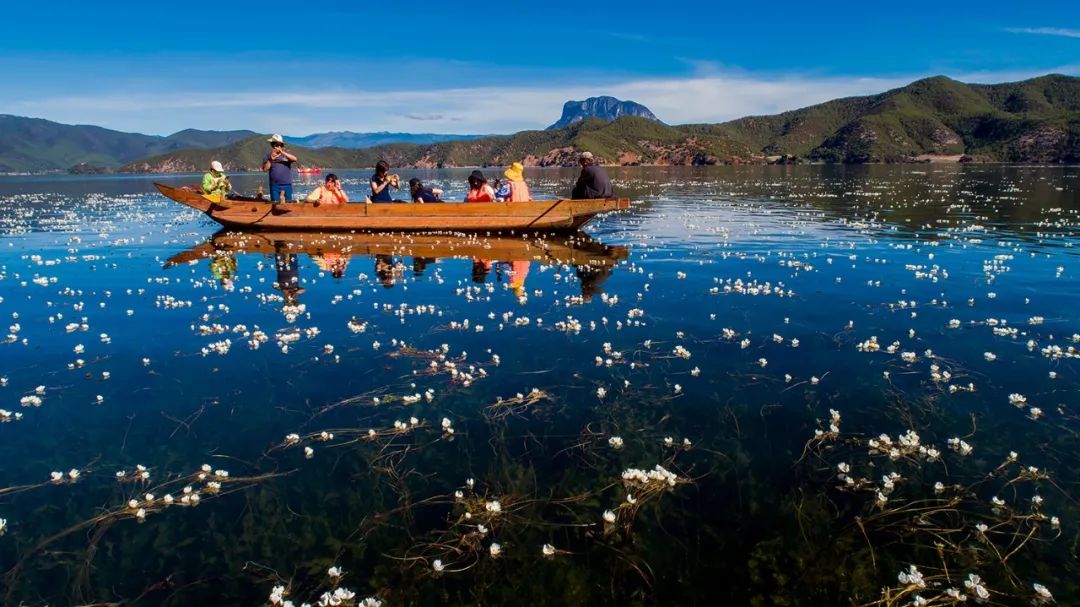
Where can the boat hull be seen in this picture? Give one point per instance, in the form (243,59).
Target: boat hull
(474,216)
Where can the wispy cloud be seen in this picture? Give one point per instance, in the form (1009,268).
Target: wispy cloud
(423,116)
(1046,31)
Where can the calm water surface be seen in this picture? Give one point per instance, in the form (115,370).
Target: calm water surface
(456,419)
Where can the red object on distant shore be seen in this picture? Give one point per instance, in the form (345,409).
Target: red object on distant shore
(310,171)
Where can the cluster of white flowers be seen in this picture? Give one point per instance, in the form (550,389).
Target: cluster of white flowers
(8,416)
(912,577)
(218,347)
(960,446)
(338,597)
(681,352)
(615,442)
(658,476)
(975,586)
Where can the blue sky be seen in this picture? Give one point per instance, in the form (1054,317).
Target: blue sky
(447,67)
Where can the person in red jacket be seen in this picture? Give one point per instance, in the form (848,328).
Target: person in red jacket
(479,190)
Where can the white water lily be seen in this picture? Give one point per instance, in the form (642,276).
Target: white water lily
(609,517)
(1042,594)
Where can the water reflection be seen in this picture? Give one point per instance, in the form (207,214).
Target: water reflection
(498,258)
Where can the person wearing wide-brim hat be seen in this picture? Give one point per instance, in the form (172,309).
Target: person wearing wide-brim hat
(278,164)
(215,182)
(479,190)
(515,188)
(593,181)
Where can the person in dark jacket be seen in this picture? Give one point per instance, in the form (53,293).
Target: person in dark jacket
(593,181)
(421,194)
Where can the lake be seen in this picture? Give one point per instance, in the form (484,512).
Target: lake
(803,385)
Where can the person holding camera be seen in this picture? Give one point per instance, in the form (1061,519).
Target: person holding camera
(329,192)
(382,181)
(279,165)
(216,182)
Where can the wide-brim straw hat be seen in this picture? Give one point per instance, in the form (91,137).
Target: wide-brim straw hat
(516,172)
(276,138)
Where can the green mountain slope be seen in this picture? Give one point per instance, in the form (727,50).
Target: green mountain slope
(1035,120)
(33,144)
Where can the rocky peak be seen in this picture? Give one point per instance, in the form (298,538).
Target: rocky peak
(605,108)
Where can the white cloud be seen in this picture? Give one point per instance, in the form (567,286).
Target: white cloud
(712,96)
(1045,31)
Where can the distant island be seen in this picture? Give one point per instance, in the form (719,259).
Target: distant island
(934,119)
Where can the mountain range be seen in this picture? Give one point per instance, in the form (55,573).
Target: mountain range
(608,109)
(1036,120)
(33,144)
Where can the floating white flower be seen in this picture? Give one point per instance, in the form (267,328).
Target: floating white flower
(609,517)
(495,550)
(1042,594)
(975,586)
(437,565)
(912,577)
(335,572)
(615,442)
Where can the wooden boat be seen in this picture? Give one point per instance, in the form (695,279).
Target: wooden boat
(250,213)
(577,250)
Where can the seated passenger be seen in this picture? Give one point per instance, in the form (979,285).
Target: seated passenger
(329,192)
(420,194)
(593,181)
(216,182)
(479,190)
(515,189)
(382,181)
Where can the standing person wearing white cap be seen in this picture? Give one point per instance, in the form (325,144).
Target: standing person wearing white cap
(593,181)
(279,164)
(216,182)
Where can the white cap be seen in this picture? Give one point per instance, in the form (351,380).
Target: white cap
(587,155)
(275,138)
(216,166)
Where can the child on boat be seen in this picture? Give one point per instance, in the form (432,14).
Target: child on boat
(515,189)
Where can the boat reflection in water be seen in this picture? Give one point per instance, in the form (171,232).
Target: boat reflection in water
(502,258)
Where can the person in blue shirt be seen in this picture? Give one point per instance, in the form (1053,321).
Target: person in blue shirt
(279,165)
(382,181)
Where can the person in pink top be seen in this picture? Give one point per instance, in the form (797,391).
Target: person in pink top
(515,189)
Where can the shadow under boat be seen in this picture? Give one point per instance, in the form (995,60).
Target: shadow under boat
(592,260)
